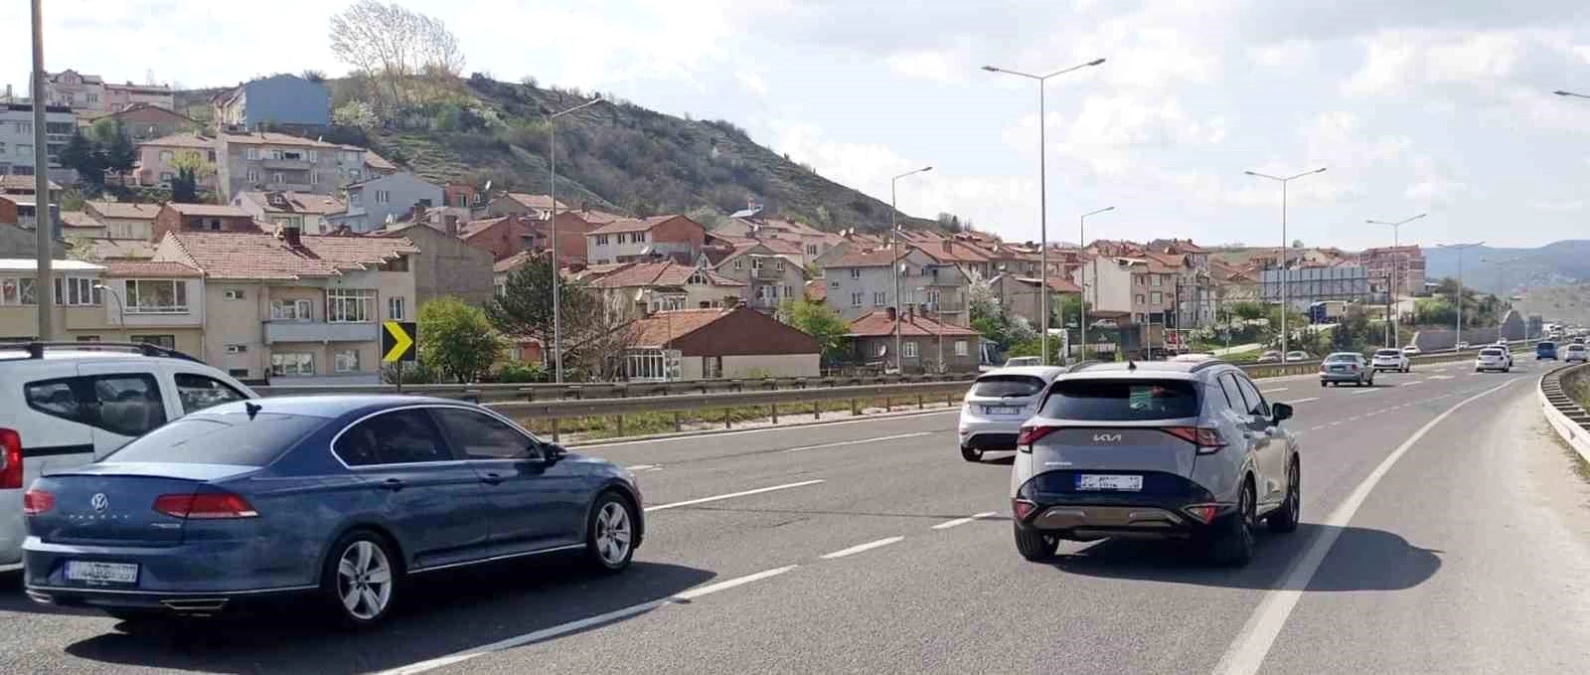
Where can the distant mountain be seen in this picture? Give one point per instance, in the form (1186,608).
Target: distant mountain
(1496,270)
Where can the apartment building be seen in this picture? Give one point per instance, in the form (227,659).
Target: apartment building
(275,162)
(79,312)
(1142,289)
(157,159)
(294,307)
(81,91)
(157,303)
(926,345)
(142,121)
(668,285)
(1023,296)
(313,214)
(771,278)
(537,207)
(123,220)
(502,236)
(17,140)
(174,217)
(634,239)
(860,282)
(279,100)
(374,201)
(1403,266)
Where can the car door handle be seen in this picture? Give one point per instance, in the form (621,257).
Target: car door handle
(491,479)
(393,484)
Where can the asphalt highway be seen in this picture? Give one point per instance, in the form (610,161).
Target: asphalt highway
(1444,531)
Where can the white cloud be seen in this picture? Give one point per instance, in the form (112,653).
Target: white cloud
(1396,61)
(1559,206)
(1288,55)
(752,82)
(950,66)
(1113,134)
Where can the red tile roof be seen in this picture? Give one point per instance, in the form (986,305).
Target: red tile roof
(513,262)
(378,162)
(881,257)
(182,140)
(78,219)
(663,327)
(239,255)
(273,138)
(122,249)
(296,202)
(666,273)
(817,290)
(124,210)
(534,201)
(594,217)
(634,224)
(149,269)
(212,210)
(877,324)
(14,183)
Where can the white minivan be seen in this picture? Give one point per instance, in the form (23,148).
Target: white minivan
(67,404)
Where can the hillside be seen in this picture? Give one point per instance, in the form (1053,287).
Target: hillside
(1558,303)
(1555,264)
(615,154)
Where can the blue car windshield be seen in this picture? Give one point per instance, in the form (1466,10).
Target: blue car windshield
(220,439)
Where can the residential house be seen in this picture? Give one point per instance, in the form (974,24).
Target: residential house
(157,159)
(1023,296)
(275,162)
(372,202)
(23,184)
(771,278)
(445,265)
(860,282)
(79,312)
(573,246)
(295,307)
(17,140)
(502,236)
(310,213)
(665,285)
(1140,289)
(538,207)
(926,345)
(174,217)
(159,303)
(79,225)
(143,121)
(279,100)
(124,220)
(633,239)
(376,165)
(16,242)
(975,262)
(461,195)
(92,93)
(22,211)
(1403,266)
(501,269)
(807,241)
(732,342)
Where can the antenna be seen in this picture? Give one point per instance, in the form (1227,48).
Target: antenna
(1131,365)
(252,408)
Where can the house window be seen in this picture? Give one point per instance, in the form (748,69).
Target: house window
(933,297)
(17,291)
(291,310)
(314,155)
(855,272)
(811,249)
(166,341)
(1159,280)
(646,365)
(779,266)
(697,278)
(166,156)
(880,348)
(1138,298)
(833,284)
(24,150)
(232,294)
(638,237)
(293,363)
(855,299)
(739,264)
(167,176)
(156,296)
(347,361)
(1156,297)
(251,153)
(961,348)
(355,199)
(383,196)
(350,305)
(756,263)
(252,176)
(601,240)
(789,292)
(394,308)
(879,298)
(277,178)
(314,178)
(908,350)
(76,291)
(23,127)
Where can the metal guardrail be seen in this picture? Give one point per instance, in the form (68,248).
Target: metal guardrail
(1262,370)
(605,390)
(1566,416)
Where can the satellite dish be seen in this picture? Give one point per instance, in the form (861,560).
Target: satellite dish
(487,188)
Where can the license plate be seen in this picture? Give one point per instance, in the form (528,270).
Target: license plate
(101,572)
(1000,410)
(1088,481)
(1338,369)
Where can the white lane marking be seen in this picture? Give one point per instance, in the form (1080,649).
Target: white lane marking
(1272,391)
(645,467)
(862,547)
(1316,428)
(1439,377)
(1302,400)
(582,624)
(1409,384)
(859,441)
(962,521)
(1355,418)
(1370,390)
(732,495)
(763,430)
(1336,423)
(1247,653)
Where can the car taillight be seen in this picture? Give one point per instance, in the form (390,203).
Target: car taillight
(205,506)
(1207,439)
(1030,435)
(36,501)
(1204,513)
(10,460)
(1022,508)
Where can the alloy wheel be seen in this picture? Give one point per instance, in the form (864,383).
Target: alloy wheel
(613,533)
(364,580)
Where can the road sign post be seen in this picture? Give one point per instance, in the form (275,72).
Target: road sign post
(397,345)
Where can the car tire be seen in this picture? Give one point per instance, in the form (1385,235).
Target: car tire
(362,592)
(1231,542)
(610,533)
(971,454)
(1034,545)
(1322,384)
(1285,519)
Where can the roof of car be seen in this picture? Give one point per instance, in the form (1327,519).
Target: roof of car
(330,405)
(1046,372)
(1175,370)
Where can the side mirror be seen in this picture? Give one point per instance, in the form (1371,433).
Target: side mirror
(1280,411)
(553,452)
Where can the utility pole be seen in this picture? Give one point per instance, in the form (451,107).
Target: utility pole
(1396,274)
(1460,248)
(1082,245)
(894,262)
(552,194)
(1285,280)
(43,224)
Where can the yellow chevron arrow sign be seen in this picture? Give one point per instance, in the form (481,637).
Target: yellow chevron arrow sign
(397,341)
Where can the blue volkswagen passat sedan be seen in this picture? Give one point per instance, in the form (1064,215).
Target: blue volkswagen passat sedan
(339,497)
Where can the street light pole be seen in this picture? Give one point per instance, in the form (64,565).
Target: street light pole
(1560,92)
(1043,194)
(1082,243)
(894,260)
(557,295)
(1460,248)
(1284,280)
(43,224)
(1396,278)
(121,309)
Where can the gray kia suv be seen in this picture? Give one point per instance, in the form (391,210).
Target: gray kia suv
(1159,450)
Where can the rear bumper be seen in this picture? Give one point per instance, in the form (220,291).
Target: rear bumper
(1387,366)
(193,604)
(1087,515)
(983,433)
(1341,377)
(217,572)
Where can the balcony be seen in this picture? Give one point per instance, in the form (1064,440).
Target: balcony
(290,187)
(767,273)
(289,164)
(320,331)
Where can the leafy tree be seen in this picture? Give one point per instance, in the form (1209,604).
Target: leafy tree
(357,114)
(457,339)
(821,322)
(394,45)
(1067,309)
(709,217)
(1297,243)
(1247,310)
(595,332)
(516,372)
(121,156)
(82,156)
(191,168)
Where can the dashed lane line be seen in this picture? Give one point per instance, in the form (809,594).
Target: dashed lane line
(862,547)
(1302,400)
(962,521)
(732,495)
(859,441)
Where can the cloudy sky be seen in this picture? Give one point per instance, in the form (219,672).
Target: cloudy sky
(1414,106)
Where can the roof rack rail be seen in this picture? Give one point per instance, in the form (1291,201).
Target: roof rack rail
(36,348)
(1075,367)
(1212,362)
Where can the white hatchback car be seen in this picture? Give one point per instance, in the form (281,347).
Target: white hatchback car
(996,405)
(1391,359)
(66,404)
(1493,358)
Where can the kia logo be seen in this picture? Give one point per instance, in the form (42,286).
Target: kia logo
(1106,438)
(99,501)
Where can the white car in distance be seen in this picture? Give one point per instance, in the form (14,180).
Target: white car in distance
(1391,359)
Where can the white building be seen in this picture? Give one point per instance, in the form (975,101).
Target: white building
(17,139)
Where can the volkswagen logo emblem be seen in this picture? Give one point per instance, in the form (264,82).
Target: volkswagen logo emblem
(100,502)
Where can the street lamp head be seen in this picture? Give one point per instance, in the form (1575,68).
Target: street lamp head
(1107,208)
(992,69)
(1251,173)
(1095,62)
(1320,170)
(1560,92)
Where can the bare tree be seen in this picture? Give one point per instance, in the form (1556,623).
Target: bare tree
(394,44)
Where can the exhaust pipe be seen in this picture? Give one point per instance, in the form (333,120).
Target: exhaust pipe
(195,605)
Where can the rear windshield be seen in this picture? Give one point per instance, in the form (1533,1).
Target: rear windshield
(220,439)
(1490,352)
(1547,345)
(1001,386)
(1121,400)
(1342,357)
(1576,348)
(1388,352)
